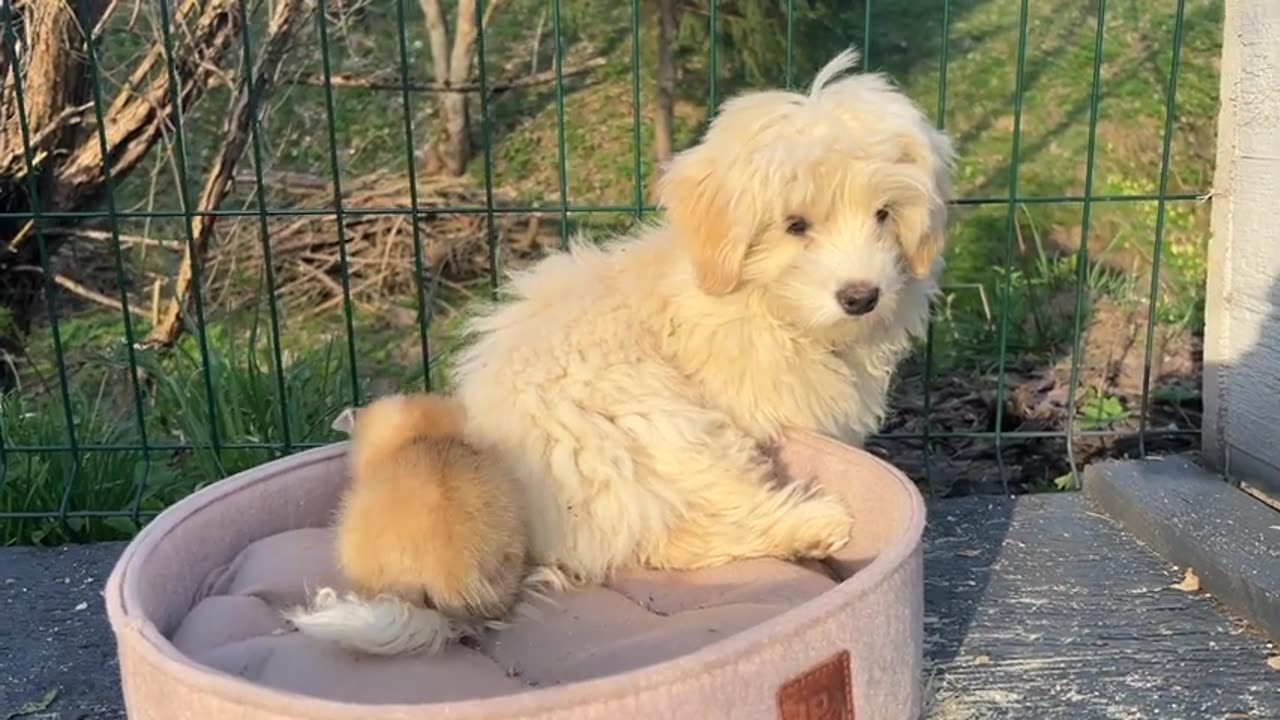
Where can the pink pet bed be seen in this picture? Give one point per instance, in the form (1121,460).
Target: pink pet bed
(195,604)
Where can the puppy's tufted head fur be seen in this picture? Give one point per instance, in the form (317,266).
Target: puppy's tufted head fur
(832,203)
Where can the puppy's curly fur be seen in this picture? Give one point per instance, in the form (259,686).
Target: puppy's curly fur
(633,387)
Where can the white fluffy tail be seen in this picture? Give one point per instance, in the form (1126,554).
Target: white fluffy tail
(388,625)
(385,625)
(535,590)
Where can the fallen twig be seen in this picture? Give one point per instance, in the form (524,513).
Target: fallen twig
(386,82)
(67,283)
(381,250)
(83,291)
(125,240)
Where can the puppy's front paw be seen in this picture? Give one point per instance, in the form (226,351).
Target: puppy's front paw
(823,526)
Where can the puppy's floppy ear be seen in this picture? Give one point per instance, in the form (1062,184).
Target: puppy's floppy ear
(931,153)
(692,192)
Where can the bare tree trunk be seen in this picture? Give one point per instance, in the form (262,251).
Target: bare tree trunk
(53,81)
(53,93)
(665,120)
(455,145)
(70,164)
(50,60)
(451,67)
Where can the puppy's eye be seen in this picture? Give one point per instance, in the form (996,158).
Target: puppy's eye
(882,215)
(797,225)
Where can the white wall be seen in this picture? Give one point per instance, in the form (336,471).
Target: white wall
(1242,319)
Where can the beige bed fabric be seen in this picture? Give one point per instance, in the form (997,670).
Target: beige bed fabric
(195,604)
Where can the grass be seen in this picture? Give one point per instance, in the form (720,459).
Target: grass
(247,404)
(1053,159)
(1041,267)
(40,482)
(110,472)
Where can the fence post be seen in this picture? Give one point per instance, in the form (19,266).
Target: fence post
(1241,435)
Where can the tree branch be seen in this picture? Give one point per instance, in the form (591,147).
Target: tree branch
(125,240)
(288,15)
(140,111)
(464,40)
(137,116)
(389,83)
(489,12)
(13,166)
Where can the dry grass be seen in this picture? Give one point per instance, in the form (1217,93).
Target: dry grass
(382,250)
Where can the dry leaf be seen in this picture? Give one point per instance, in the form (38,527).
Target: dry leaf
(1274,662)
(1190,582)
(969,553)
(982,660)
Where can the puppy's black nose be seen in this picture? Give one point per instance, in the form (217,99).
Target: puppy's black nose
(858,298)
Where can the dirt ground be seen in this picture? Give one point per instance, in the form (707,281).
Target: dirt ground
(1036,400)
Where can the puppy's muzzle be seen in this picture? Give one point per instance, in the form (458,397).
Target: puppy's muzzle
(858,298)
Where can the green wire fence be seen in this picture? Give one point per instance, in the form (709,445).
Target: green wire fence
(57,505)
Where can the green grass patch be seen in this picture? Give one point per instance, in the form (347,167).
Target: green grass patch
(189,442)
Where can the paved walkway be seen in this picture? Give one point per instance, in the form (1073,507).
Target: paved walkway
(1035,608)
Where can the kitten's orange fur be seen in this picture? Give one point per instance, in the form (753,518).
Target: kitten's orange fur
(427,515)
(431,527)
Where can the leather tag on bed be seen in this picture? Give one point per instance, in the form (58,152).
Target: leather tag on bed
(823,693)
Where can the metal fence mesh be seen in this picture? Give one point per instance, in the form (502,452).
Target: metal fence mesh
(106,438)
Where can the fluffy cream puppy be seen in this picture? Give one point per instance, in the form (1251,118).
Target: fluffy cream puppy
(636,388)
